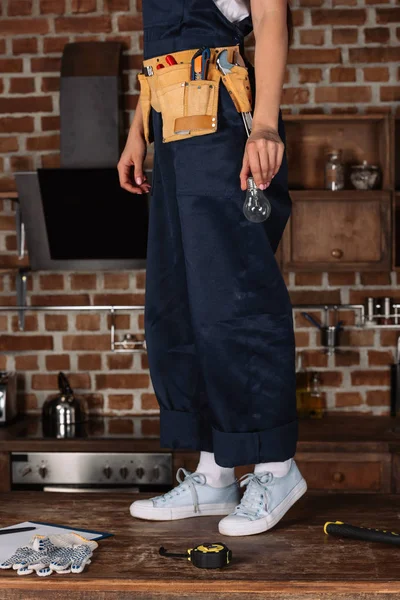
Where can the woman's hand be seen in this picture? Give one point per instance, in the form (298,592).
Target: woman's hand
(262,157)
(132,159)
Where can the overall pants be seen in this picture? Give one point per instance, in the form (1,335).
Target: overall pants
(218,317)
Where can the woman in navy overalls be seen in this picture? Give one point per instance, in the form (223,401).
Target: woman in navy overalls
(218,318)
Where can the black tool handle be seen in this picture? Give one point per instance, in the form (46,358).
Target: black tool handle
(366,534)
(16,530)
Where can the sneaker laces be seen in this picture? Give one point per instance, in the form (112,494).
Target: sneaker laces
(185,478)
(255,496)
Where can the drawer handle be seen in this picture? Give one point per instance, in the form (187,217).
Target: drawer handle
(338,477)
(337,253)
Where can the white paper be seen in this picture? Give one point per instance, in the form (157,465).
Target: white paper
(10,542)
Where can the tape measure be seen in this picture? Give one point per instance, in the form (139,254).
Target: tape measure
(214,555)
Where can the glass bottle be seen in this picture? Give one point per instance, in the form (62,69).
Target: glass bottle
(334,171)
(316,408)
(302,388)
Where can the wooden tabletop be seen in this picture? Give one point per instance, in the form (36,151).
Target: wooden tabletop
(293,560)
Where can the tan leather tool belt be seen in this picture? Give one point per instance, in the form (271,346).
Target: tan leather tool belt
(190,107)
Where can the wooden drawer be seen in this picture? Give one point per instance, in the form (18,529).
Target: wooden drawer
(346,472)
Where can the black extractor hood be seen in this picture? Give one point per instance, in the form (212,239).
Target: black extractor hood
(77,217)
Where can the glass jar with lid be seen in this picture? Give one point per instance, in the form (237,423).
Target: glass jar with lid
(334,170)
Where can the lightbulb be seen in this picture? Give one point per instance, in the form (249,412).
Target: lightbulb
(256,207)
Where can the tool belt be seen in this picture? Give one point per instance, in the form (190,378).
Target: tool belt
(189,107)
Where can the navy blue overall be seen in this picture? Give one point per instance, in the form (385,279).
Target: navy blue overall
(218,318)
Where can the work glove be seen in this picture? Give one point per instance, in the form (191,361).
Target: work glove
(64,553)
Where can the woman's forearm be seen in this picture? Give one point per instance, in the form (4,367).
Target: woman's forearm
(271,46)
(136,127)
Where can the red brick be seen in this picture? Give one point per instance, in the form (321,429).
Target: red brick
(387,15)
(11,27)
(309,75)
(95,402)
(347,358)
(50,123)
(342,74)
(86,342)
(326,16)
(151,427)
(314,358)
(50,161)
(83,6)
(344,2)
(116,281)
(19,8)
(89,362)
(376,54)
(58,362)
(390,93)
(370,377)
(120,361)
(348,316)
(310,56)
(22,85)
(30,104)
(9,144)
(78,24)
(380,358)
(56,322)
(348,398)
(7,184)
(149,402)
(27,362)
(121,426)
(357,337)
(28,402)
(2,46)
(15,343)
(43,142)
(301,321)
(302,339)
(80,381)
(3,323)
(54,44)
(297,17)
(121,321)
(51,282)
(122,381)
(303,297)
(50,84)
(345,35)
(55,7)
(343,94)
(377,35)
(376,74)
(16,125)
(144,359)
(331,378)
(341,278)
(119,299)
(378,398)
(60,299)
(3,362)
(116,5)
(295,95)
(31,323)
(130,23)
(83,281)
(25,46)
(11,242)
(375,278)
(312,37)
(87,322)
(389,337)
(120,401)
(308,279)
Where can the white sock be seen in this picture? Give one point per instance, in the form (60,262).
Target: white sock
(278,469)
(216,476)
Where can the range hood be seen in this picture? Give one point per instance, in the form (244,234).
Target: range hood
(77,217)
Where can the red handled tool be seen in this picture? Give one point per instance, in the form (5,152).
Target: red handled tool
(170,60)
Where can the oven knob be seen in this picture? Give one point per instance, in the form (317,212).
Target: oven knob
(140,472)
(107,471)
(42,471)
(123,472)
(156,472)
(25,471)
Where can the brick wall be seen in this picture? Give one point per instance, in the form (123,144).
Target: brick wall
(344,58)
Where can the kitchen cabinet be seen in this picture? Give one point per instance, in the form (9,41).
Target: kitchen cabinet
(344,230)
(341,230)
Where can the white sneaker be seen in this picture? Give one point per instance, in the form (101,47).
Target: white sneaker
(191,498)
(265,501)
